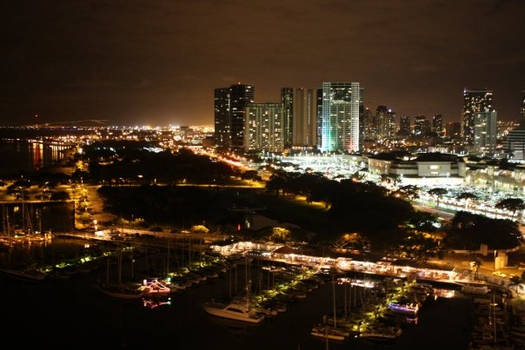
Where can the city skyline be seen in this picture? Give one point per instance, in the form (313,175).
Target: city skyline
(137,62)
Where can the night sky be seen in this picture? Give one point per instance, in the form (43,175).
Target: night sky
(158,61)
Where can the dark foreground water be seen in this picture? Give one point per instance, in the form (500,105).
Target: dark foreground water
(27,157)
(73,314)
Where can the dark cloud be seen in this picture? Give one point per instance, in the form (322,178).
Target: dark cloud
(158,61)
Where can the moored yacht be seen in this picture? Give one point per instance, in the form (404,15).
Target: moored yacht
(233,311)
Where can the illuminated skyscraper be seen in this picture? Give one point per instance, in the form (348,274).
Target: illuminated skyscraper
(319,117)
(437,125)
(485,132)
(386,122)
(300,117)
(368,125)
(421,126)
(454,130)
(222,117)
(264,127)
(287,100)
(230,104)
(404,125)
(477,104)
(304,117)
(340,116)
(240,96)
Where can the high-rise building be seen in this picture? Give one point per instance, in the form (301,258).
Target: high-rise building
(264,127)
(240,96)
(421,126)
(300,117)
(319,117)
(515,144)
(340,116)
(437,125)
(222,117)
(230,104)
(454,130)
(475,103)
(386,122)
(304,117)
(485,132)
(368,126)
(404,125)
(287,99)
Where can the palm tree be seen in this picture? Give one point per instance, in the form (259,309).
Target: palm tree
(437,192)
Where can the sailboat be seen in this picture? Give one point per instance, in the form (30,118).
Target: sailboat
(330,331)
(119,290)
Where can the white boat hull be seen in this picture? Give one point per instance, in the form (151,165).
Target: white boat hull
(231,315)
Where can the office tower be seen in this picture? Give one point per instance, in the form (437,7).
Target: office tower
(264,127)
(475,103)
(319,117)
(230,104)
(287,99)
(304,117)
(222,117)
(386,122)
(454,130)
(240,96)
(421,126)
(515,143)
(485,132)
(437,125)
(368,125)
(404,125)
(340,116)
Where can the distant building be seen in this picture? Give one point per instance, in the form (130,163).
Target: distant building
(477,107)
(421,126)
(404,125)
(287,99)
(222,117)
(437,125)
(368,125)
(230,104)
(491,177)
(454,130)
(304,117)
(515,144)
(300,117)
(319,117)
(386,122)
(420,165)
(264,127)
(485,132)
(340,116)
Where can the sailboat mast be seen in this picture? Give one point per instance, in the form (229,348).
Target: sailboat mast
(333,295)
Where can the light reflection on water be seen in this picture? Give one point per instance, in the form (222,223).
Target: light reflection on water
(29,155)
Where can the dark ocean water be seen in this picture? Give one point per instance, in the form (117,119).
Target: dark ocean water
(66,313)
(24,156)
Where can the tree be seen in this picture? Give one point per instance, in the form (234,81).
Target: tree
(514,205)
(410,192)
(467,196)
(437,192)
